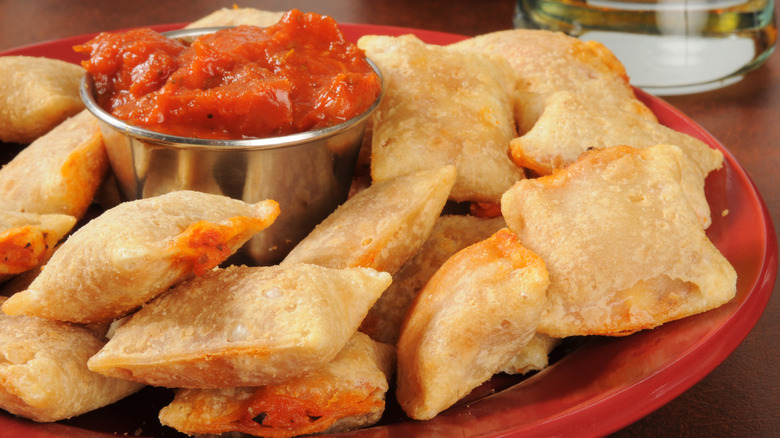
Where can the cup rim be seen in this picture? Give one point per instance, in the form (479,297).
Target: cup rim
(87,91)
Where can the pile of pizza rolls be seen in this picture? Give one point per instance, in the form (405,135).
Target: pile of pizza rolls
(583,216)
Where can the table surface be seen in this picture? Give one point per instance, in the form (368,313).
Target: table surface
(741,397)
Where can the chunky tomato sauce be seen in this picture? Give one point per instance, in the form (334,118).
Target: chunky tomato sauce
(244,82)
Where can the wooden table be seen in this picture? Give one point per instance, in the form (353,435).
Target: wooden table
(741,397)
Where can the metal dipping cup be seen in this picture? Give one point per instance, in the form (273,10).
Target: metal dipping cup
(309,174)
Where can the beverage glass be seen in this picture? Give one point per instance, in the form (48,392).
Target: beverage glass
(667,46)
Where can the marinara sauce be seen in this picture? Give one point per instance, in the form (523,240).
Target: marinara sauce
(244,82)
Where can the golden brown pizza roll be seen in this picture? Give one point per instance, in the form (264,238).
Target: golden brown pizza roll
(443,107)
(242,326)
(450,234)
(623,245)
(137,250)
(236,16)
(534,356)
(346,394)
(479,309)
(546,62)
(570,126)
(36,94)
(28,239)
(59,172)
(43,371)
(381,227)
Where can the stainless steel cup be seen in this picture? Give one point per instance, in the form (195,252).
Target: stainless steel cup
(308,174)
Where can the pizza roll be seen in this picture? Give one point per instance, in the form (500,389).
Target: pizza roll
(450,234)
(479,309)
(28,239)
(346,394)
(242,326)
(236,16)
(381,227)
(570,126)
(623,245)
(443,107)
(44,374)
(545,63)
(36,94)
(59,172)
(534,356)
(137,250)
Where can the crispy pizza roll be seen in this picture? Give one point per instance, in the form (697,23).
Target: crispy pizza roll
(381,227)
(443,107)
(534,356)
(236,16)
(479,309)
(43,371)
(346,394)
(137,250)
(547,62)
(623,245)
(450,234)
(36,94)
(242,326)
(571,125)
(59,172)
(28,239)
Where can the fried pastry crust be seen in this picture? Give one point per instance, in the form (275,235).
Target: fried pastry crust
(450,234)
(36,94)
(44,374)
(570,125)
(27,239)
(380,227)
(236,16)
(534,356)
(545,63)
(137,250)
(59,172)
(479,309)
(242,326)
(346,394)
(443,107)
(623,244)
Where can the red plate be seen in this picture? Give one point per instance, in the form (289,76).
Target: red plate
(599,385)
